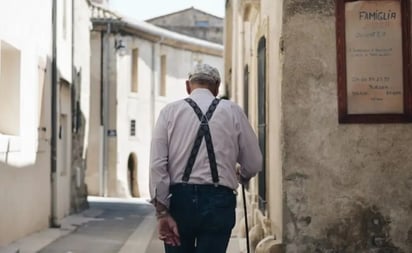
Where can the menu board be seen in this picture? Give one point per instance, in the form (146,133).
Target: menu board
(374,61)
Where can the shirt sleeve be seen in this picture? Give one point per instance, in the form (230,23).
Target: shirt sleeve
(250,156)
(159,176)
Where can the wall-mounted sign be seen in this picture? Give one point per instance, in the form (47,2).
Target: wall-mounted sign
(373,45)
(111,132)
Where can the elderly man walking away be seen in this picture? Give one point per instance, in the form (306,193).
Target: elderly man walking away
(196,145)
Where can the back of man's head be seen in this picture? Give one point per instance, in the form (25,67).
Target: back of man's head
(204,74)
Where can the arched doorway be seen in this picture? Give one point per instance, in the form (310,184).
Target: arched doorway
(132,176)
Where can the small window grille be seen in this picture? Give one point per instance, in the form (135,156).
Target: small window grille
(133,127)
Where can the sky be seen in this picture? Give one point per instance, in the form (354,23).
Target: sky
(146,9)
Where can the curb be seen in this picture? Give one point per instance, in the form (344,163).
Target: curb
(36,241)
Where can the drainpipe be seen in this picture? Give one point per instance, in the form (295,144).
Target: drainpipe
(74,117)
(102,118)
(53,157)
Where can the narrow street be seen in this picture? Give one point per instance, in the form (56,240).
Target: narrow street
(108,226)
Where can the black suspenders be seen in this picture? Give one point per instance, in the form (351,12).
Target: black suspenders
(204,130)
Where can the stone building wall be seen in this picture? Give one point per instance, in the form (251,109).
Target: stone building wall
(346,186)
(330,187)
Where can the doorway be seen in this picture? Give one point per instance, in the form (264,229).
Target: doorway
(132,176)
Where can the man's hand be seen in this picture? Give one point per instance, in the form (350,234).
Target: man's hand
(168,231)
(242,180)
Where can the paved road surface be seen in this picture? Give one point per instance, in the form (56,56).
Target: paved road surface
(108,226)
(107,232)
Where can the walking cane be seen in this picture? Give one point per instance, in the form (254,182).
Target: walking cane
(246,224)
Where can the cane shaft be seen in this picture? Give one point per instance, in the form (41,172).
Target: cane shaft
(246,222)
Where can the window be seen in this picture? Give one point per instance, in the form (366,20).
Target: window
(163,71)
(133,127)
(135,70)
(246,90)
(202,23)
(9,89)
(262,118)
(64,22)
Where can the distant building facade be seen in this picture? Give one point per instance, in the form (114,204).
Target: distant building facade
(104,2)
(194,23)
(136,69)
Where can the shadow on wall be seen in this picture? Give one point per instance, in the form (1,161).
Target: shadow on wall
(78,192)
(30,182)
(25,168)
(79,147)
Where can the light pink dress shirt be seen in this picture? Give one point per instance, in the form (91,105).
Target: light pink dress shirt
(233,139)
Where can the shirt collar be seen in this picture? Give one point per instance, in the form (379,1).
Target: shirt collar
(201,92)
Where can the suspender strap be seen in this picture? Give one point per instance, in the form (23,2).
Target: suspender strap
(204,131)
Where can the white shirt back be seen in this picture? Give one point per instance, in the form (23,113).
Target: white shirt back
(176,128)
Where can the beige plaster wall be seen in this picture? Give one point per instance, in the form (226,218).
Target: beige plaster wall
(252,22)
(24,157)
(112,144)
(346,187)
(64,39)
(271,12)
(94,140)
(61,201)
(25,198)
(25,187)
(136,106)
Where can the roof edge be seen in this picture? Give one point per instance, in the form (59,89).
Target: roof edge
(176,12)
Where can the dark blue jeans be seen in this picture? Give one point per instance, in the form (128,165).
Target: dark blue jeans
(205,216)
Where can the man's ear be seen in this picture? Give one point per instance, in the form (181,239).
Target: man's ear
(188,89)
(216,89)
